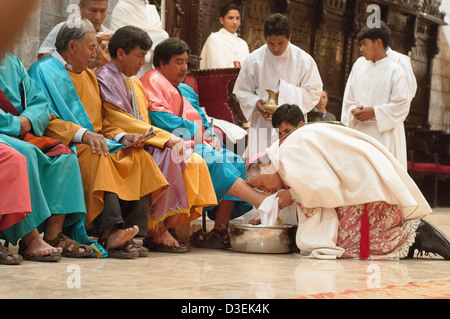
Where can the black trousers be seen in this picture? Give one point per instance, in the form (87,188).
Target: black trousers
(123,214)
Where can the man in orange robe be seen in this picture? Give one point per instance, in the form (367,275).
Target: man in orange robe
(117,182)
(125,105)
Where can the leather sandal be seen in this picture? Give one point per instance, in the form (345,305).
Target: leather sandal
(215,239)
(143,251)
(41,258)
(152,245)
(126,251)
(69,242)
(6,258)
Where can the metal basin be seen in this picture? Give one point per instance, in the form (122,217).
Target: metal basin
(259,239)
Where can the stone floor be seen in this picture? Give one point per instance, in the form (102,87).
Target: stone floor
(212,274)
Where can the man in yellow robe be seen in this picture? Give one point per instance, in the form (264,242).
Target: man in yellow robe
(125,105)
(117,182)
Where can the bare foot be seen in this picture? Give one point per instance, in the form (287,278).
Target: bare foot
(166,239)
(36,246)
(255,220)
(120,237)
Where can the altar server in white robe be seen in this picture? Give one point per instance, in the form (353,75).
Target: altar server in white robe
(377,97)
(224,49)
(401,59)
(141,14)
(281,67)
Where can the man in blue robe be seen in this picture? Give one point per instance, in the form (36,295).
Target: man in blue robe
(56,188)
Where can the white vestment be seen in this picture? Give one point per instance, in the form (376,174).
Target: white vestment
(328,166)
(401,59)
(383,86)
(294,75)
(222,49)
(144,16)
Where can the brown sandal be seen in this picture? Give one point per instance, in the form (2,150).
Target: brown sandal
(54,257)
(6,258)
(143,251)
(125,251)
(75,253)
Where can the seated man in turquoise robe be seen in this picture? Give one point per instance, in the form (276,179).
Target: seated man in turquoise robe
(56,190)
(169,110)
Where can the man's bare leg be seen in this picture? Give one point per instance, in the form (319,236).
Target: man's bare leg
(53,228)
(223,215)
(161,234)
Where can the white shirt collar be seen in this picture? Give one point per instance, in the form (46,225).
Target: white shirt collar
(225,31)
(140,2)
(61,60)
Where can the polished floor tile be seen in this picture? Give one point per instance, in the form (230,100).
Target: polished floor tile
(211,274)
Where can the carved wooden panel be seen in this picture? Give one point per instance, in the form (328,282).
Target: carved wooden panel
(254,13)
(329,51)
(327,29)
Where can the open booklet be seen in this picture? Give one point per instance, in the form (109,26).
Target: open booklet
(150,134)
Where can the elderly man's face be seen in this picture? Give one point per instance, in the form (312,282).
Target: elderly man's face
(268,183)
(175,71)
(95,11)
(83,53)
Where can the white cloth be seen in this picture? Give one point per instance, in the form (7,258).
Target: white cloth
(222,49)
(328,166)
(144,16)
(317,235)
(269,212)
(233,132)
(401,59)
(294,75)
(48,45)
(382,85)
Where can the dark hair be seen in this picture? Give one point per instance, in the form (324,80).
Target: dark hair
(128,38)
(167,49)
(289,113)
(277,24)
(227,8)
(383,33)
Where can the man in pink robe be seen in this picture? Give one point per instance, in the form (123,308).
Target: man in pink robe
(15,200)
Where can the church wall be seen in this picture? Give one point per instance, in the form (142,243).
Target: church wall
(49,14)
(440,82)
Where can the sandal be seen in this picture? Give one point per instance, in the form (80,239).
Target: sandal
(143,251)
(215,239)
(41,258)
(6,258)
(152,245)
(75,253)
(126,251)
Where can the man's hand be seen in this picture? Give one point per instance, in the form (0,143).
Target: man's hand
(363,113)
(178,146)
(25,125)
(130,138)
(96,142)
(284,199)
(260,108)
(174,140)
